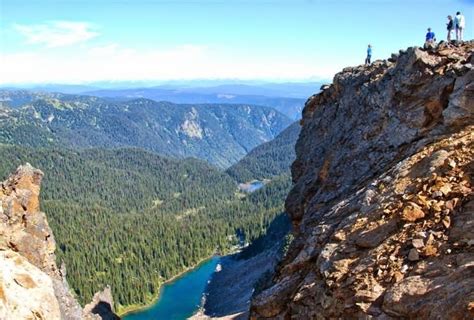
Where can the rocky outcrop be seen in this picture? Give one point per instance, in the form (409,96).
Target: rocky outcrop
(102,305)
(382,205)
(31,285)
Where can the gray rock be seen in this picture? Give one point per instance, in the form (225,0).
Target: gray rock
(403,120)
(413,255)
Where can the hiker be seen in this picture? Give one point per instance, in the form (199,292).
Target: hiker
(450,27)
(460,24)
(430,39)
(369,55)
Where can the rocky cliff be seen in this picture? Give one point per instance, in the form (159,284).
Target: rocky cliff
(31,284)
(382,204)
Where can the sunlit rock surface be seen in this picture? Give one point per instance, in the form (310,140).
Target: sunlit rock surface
(383,207)
(31,285)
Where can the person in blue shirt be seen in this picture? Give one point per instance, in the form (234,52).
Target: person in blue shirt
(369,55)
(430,39)
(430,36)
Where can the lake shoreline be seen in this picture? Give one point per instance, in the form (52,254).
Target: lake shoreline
(229,292)
(137,308)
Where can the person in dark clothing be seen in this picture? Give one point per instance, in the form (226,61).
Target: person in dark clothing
(369,55)
(450,27)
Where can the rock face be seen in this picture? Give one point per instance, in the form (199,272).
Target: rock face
(382,206)
(31,285)
(102,305)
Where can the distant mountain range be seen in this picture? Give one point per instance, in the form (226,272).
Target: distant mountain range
(288,98)
(280,89)
(220,134)
(287,90)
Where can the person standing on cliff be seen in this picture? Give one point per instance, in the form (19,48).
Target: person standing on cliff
(450,27)
(460,23)
(369,55)
(430,39)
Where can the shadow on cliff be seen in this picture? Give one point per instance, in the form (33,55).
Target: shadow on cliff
(104,310)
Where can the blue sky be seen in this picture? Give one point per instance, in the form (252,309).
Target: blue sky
(80,41)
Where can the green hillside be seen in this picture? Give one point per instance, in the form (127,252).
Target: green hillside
(132,219)
(270,159)
(220,134)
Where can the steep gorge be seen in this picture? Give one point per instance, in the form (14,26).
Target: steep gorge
(382,204)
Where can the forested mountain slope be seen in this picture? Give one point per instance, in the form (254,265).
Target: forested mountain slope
(269,159)
(131,219)
(220,134)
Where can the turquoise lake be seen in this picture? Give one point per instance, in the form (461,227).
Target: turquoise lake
(180,298)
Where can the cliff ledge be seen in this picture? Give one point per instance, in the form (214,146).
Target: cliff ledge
(31,284)
(382,204)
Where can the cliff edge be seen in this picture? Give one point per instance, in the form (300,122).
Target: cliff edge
(31,284)
(382,204)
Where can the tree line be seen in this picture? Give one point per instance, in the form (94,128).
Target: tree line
(132,219)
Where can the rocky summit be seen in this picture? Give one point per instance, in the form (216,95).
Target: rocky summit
(31,284)
(382,204)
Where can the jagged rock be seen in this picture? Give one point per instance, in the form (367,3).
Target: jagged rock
(31,285)
(382,204)
(412,212)
(394,57)
(417,243)
(102,306)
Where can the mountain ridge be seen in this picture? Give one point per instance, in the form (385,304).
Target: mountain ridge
(220,134)
(383,194)
(289,105)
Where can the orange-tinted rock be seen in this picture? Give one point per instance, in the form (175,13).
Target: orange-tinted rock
(25,281)
(412,212)
(31,285)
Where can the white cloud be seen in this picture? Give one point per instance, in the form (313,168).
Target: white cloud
(57,33)
(113,62)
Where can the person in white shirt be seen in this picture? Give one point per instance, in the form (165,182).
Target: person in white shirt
(460,24)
